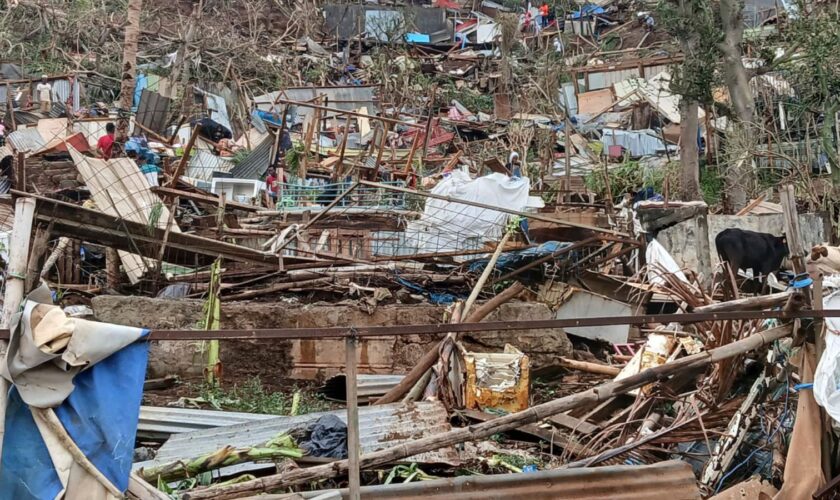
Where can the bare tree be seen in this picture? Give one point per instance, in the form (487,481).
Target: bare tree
(129,68)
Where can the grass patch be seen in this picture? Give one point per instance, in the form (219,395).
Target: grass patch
(253,397)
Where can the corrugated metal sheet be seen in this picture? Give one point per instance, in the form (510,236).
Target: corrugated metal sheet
(379,427)
(255,164)
(673,480)
(367,386)
(158,421)
(26,140)
(152,112)
(347,98)
(203,164)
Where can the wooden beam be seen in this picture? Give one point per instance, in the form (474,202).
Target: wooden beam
(185,159)
(351,113)
(203,198)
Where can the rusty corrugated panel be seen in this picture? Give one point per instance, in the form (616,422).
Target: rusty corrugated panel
(673,480)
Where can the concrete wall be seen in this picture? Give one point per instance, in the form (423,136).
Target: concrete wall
(315,358)
(681,239)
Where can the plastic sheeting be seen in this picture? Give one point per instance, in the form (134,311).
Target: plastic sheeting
(510,261)
(100,414)
(660,262)
(827,376)
(448,226)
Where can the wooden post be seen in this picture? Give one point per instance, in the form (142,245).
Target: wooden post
(10,107)
(112,267)
(185,159)
(337,169)
(20,173)
(352,418)
(15,282)
(794,236)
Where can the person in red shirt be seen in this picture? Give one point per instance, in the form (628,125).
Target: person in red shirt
(544,14)
(105,144)
(272,184)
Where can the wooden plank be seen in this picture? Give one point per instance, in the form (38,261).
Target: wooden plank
(204,198)
(574,424)
(97,227)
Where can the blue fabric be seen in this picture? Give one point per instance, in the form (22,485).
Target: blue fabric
(510,261)
(100,415)
(434,297)
(587,10)
(140,83)
(418,38)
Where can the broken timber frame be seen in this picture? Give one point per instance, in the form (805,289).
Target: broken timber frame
(501,424)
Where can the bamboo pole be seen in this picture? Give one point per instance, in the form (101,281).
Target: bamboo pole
(501,424)
(589,367)
(760,302)
(15,282)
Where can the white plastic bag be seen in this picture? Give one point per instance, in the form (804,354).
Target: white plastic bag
(827,375)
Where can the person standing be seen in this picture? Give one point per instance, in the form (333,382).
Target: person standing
(44,90)
(544,14)
(105,144)
(145,161)
(272,185)
(2,134)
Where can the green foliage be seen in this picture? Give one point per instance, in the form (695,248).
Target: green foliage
(631,176)
(408,473)
(472,100)
(695,24)
(253,397)
(711,185)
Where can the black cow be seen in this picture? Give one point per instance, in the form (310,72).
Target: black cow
(761,252)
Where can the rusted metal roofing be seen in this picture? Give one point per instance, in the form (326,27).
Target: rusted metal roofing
(673,480)
(379,427)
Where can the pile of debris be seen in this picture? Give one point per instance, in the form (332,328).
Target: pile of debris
(425,263)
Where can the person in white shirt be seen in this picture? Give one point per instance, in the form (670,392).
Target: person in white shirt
(44,90)
(558,46)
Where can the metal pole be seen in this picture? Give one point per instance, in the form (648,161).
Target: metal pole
(350,344)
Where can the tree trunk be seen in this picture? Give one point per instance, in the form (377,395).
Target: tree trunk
(738,84)
(689,154)
(735,75)
(129,70)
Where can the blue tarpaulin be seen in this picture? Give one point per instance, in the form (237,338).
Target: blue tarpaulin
(100,415)
(86,389)
(510,261)
(434,297)
(587,10)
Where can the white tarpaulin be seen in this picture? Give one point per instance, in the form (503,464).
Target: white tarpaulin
(660,262)
(449,226)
